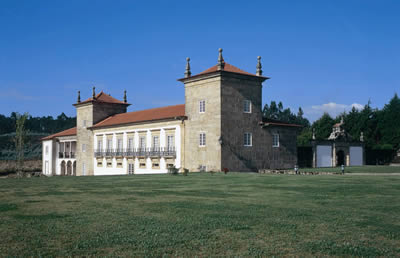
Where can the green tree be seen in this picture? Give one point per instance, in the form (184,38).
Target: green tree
(323,126)
(20,138)
(389,124)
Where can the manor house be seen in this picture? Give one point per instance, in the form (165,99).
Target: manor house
(219,127)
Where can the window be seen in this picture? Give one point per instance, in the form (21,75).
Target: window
(119,145)
(109,164)
(99,145)
(131,168)
(109,144)
(142,142)
(130,144)
(47,149)
(170,142)
(83,147)
(247,106)
(99,163)
(247,139)
(275,140)
(46,170)
(156,142)
(202,139)
(84,123)
(202,106)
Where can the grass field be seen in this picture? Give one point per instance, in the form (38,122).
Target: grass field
(363,169)
(201,214)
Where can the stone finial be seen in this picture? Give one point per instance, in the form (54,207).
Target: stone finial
(259,66)
(313,133)
(125,96)
(79,96)
(94,92)
(188,73)
(362,137)
(221,62)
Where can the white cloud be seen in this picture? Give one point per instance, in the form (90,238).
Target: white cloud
(333,109)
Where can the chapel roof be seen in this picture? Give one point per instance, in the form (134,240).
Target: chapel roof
(161,113)
(68,132)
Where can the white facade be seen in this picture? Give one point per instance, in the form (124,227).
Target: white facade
(47,157)
(102,162)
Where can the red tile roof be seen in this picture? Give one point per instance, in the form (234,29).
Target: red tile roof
(68,132)
(104,98)
(143,116)
(228,68)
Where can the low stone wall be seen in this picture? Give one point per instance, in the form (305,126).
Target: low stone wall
(291,172)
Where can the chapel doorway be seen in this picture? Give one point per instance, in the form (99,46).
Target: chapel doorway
(340,158)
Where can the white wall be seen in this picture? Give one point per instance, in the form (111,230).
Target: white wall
(104,170)
(356,156)
(324,156)
(47,158)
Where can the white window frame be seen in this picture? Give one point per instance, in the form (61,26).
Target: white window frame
(130,143)
(120,144)
(156,142)
(247,139)
(275,140)
(83,147)
(142,142)
(247,103)
(47,150)
(84,123)
(109,144)
(99,145)
(170,142)
(202,106)
(202,139)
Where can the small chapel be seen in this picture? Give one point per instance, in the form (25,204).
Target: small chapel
(338,149)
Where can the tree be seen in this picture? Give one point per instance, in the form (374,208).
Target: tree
(323,126)
(20,137)
(389,123)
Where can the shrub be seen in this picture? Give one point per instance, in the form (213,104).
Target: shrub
(185,171)
(173,170)
(225,170)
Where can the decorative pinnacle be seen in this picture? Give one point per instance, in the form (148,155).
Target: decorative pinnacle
(221,62)
(94,93)
(313,133)
(188,73)
(125,96)
(259,66)
(362,137)
(79,96)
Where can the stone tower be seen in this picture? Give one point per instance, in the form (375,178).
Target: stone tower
(88,113)
(215,106)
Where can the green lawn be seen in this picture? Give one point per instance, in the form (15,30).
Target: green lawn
(363,169)
(201,215)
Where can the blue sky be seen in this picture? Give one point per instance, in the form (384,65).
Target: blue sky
(321,55)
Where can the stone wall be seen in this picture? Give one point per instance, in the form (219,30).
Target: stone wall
(92,113)
(209,122)
(235,90)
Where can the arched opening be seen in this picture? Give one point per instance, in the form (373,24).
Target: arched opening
(74,169)
(62,166)
(69,168)
(340,158)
